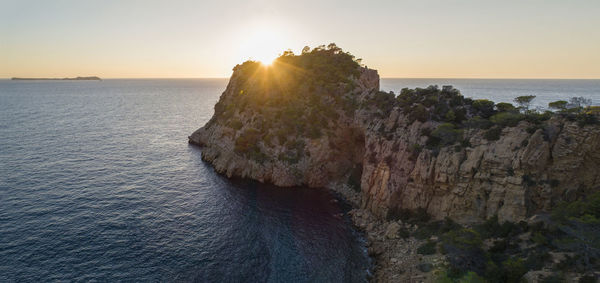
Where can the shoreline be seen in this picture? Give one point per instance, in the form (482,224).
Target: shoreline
(393,256)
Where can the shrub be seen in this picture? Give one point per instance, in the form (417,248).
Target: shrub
(494,273)
(557,277)
(384,101)
(559,105)
(493,134)
(491,228)
(532,129)
(236,124)
(506,119)
(415,149)
(418,215)
(419,113)
(450,116)
(515,269)
(484,107)
(429,229)
(427,249)
(463,250)
(465,143)
(577,209)
(588,279)
(584,119)
(524,101)
(478,123)
(314,132)
(499,246)
(505,107)
(447,134)
(403,233)
(247,141)
(463,238)
(539,239)
(536,260)
(579,103)
(528,181)
(537,118)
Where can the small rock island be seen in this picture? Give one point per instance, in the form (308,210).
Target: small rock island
(58,79)
(445,187)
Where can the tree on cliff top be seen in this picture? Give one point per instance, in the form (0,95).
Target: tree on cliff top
(524,101)
(559,105)
(327,64)
(296,97)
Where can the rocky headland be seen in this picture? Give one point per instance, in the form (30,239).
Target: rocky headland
(438,180)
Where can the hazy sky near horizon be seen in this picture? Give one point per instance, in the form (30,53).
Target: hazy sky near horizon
(180,38)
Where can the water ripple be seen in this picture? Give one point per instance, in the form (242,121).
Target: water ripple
(97,183)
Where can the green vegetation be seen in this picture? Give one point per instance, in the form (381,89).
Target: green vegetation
(427,249)
(493,134)
(457,113)
(506,119)
(513,249)
(302,97)
(559,105)
(524,102)
(248,144)
(577,109)
(445,134)
(485,107)
(583,210)
(298,97)
(423,104)
(505,107)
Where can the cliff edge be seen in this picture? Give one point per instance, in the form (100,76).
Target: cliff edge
(319,119)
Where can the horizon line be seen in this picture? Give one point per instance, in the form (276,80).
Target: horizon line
(420,78)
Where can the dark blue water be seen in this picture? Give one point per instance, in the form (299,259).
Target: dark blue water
(98,183)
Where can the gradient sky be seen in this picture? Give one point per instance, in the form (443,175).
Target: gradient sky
(434,39)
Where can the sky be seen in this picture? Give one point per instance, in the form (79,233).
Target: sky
(406,39)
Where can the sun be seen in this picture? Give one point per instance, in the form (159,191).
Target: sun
(264,45)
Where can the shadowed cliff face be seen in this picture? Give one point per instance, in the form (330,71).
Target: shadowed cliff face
(288,126)
(279,125)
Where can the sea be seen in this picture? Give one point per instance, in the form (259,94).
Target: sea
(98,183)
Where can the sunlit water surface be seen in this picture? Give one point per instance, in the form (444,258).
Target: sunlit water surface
(98,183)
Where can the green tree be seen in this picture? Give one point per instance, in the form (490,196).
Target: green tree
(515,269)
(524,101)
(507,118)
(559,105)
(447,134)
(578,103)
(485,107)
(505,107)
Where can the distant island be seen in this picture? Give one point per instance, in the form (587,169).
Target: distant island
(58,79)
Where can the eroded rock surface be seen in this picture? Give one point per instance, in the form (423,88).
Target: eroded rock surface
(521,173)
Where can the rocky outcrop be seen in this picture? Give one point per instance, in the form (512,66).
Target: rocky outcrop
(526,170)
(514,177)
(320,162)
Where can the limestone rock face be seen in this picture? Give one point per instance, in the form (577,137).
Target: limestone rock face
(521,173)
(323,160)
(513,177)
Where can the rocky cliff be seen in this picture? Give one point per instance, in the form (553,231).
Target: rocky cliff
(318,119)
